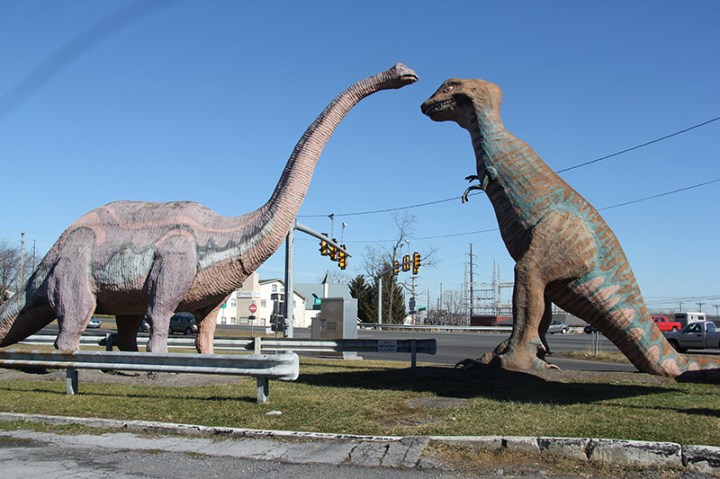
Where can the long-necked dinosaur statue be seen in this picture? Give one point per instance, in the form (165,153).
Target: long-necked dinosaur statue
(565,253)
(137,259)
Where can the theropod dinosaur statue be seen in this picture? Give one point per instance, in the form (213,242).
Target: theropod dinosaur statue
(565,253)
(136,259)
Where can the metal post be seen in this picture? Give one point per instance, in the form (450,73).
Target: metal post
(595,341)
(412,292)
(472,289)
(288,313)
(379,308)
(22,260)
(413,353)
(263,390)
(71,381)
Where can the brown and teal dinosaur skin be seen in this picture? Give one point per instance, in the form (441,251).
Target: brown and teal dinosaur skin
(137,259)
(565,253)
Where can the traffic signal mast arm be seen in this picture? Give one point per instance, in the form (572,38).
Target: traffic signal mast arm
(323,238)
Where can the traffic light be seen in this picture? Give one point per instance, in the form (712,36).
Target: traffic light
(333,251)
(324,246)
(396,267)
(406,263)
(416,262)
(342,258)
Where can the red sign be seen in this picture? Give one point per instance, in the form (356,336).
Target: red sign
(252,308)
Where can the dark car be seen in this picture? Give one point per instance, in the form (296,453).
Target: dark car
(183,323)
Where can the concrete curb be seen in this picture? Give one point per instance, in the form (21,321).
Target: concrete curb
(406,452)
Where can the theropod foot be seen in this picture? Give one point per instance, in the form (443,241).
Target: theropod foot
(529,358)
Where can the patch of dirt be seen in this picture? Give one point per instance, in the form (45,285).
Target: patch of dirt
(473,461)
(435,402)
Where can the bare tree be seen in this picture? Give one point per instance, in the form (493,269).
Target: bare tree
(10,269)
(379,258)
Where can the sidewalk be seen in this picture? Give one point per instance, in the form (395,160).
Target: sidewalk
(420,453)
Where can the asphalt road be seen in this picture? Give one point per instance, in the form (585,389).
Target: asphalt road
(453,347)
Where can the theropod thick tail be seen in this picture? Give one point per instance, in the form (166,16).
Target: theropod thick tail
(646,347)
(611,301)
(634,332)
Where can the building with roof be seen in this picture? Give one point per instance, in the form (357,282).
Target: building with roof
(266,298)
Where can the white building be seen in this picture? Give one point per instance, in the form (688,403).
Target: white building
(265,299)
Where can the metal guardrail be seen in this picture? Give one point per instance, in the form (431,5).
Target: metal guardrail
(436,327)
(285,367)
(259,345)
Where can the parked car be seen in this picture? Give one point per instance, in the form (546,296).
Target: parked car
(665,324)
(183,323)
(94,323)
(558,327)
(697,335)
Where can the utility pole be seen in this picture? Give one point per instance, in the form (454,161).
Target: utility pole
(22,260)
(472,292)
(289,313)
(700,305)
(716,306)
(412,295)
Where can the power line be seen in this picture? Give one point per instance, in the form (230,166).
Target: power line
(660,195)
(636,147)
(657,140)
(386,210)
(717,180)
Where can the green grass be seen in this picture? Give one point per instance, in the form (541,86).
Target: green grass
(386,398)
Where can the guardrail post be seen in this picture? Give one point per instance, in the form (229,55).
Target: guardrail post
(71,381)
(413,353)
(263,390)
(595,341)
(258,345)
(109,341)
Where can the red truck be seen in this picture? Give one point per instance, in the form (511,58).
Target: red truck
(666,325)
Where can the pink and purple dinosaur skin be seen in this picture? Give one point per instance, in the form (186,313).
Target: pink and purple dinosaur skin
(137,259)
(565,253)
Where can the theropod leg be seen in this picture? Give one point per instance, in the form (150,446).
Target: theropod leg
(545,324)
(553,256)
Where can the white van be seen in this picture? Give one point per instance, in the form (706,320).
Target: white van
(690,317)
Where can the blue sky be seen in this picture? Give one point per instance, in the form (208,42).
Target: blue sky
(204,101)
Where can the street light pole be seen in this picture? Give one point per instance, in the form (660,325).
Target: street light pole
(289,313)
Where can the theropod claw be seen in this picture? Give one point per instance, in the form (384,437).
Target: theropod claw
(465,194)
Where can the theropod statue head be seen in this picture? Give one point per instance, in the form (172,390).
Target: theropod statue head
(463,101)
